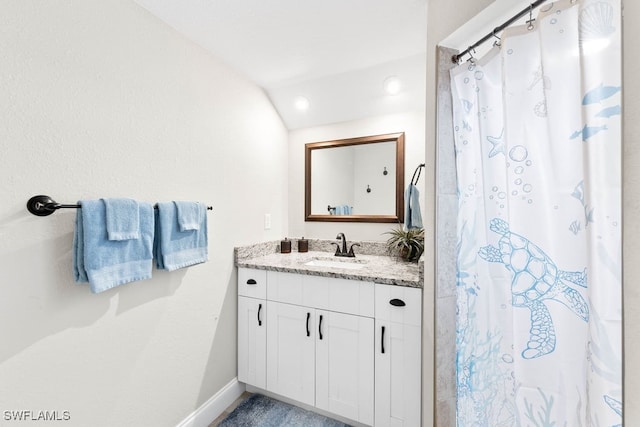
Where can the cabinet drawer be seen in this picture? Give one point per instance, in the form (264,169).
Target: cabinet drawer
(252,283)
(285,287)
(340,295)
(349,296)
(399,304)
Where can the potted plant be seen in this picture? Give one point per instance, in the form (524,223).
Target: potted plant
(408,244)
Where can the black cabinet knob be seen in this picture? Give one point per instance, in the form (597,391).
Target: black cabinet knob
(397,302)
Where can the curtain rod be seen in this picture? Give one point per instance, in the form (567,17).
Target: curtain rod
(456,58)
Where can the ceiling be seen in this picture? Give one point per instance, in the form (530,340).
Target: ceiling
(335,53)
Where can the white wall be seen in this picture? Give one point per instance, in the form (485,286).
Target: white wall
(369,164)
(332,169)
(411,123)
(631,210)
(100,99)
(444,17)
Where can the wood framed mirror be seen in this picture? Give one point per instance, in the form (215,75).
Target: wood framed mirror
(355,179)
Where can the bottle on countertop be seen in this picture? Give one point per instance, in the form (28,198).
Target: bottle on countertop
(303,245)
(285,246)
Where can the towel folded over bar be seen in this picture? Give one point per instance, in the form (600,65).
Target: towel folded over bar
(412,214)
(105,263)
(189,215)
(123,219)
(176,245)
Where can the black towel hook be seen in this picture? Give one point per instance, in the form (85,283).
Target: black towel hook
(414,179)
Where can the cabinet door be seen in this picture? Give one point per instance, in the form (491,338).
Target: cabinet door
(398,374)
(398,355)
(344,365)
(291,351)
(252,341)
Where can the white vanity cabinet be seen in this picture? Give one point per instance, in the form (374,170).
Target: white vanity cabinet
(318,340)
(398,356)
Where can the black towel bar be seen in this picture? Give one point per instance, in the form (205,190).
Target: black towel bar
(45,206)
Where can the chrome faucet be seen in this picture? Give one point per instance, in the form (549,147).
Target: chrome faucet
(343,251)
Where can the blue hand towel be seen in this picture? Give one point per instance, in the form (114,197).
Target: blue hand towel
(412,215)
(108,263)
(123,219)
(189,215)
(174,249)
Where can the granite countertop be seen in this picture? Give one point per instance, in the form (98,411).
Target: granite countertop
(376,267)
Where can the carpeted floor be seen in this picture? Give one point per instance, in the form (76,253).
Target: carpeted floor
(262,411)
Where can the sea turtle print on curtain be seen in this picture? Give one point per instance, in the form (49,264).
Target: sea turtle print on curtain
(535,279)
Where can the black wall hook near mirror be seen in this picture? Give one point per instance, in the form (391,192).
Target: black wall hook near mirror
(385,171)
(368,189)
(45,206)
(416,174)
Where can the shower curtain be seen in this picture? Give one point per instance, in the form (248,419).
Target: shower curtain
(538,157)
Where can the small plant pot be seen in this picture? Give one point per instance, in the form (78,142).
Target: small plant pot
(407,244)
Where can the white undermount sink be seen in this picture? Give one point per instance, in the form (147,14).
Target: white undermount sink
(348,265)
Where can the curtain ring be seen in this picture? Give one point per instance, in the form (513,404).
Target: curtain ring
(496,42)
(530,21)
(471,52)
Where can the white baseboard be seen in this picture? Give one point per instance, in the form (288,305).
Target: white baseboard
(212,408)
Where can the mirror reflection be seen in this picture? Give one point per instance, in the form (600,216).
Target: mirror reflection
(357,179)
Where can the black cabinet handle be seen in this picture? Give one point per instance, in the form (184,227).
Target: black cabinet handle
(320,327)
(308,331)
(397,302)
(382,341)
(251,282)
(259,309)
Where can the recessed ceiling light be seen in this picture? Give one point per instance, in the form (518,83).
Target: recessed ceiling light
(301,103)
(392,85)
